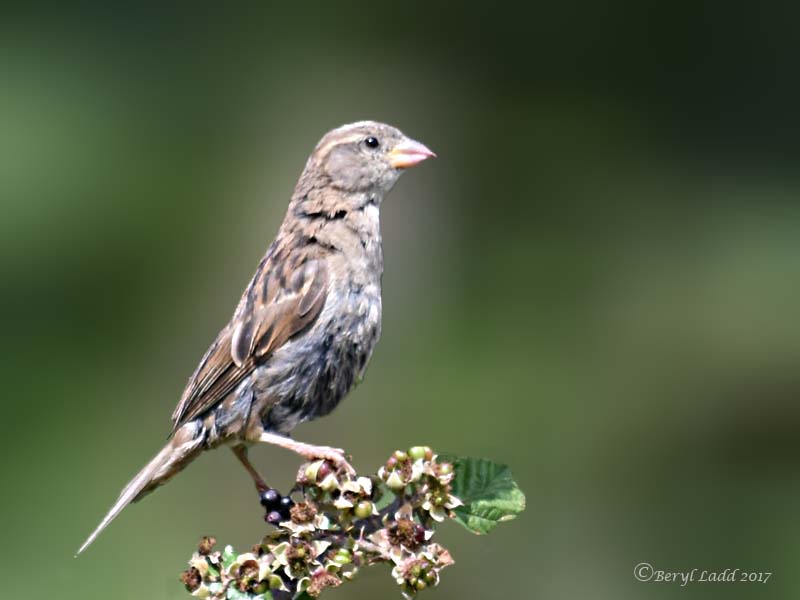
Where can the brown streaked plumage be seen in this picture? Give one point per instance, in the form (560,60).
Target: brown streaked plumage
(307,323)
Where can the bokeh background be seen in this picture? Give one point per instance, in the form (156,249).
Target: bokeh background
(597,282)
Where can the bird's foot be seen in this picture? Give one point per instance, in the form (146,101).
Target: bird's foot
(332,455)
(310,451)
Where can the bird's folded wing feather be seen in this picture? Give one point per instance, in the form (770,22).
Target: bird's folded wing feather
(285,296)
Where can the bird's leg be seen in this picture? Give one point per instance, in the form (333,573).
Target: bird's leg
(240,451)
(309,451)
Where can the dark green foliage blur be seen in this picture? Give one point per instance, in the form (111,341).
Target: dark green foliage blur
(597,282)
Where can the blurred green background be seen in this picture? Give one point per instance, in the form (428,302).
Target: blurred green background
(596,282)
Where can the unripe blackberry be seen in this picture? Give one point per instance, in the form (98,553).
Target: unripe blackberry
(420,452)
(363,509)
(260,587)
(342,557)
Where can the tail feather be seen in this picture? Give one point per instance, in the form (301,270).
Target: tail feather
(172,458)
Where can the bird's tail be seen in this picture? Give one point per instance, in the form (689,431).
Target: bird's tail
(179,451)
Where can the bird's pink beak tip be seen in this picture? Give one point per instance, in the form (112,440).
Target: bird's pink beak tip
(409,153)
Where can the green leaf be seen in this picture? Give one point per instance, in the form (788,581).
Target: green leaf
(386,495)
(489,493)
(228,557)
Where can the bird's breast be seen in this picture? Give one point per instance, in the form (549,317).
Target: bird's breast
(310,374)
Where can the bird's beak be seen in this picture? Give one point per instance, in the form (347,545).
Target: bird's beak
(409,153)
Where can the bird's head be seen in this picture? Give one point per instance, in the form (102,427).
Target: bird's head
(366,157)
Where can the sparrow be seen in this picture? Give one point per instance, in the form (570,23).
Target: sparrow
(307,323)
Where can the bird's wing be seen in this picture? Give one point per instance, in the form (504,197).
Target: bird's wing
(285,296)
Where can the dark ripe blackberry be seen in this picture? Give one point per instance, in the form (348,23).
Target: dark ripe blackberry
(419,534)
(285,504)
(273,517)
(270,498)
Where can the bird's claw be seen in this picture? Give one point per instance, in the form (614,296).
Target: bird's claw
(333,455)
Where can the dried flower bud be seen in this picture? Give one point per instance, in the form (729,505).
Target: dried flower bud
(206,545)
(304,512)
(191,579)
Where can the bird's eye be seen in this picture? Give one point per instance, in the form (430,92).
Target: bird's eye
(372,142)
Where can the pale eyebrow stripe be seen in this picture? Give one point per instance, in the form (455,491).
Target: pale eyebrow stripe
(351,138)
